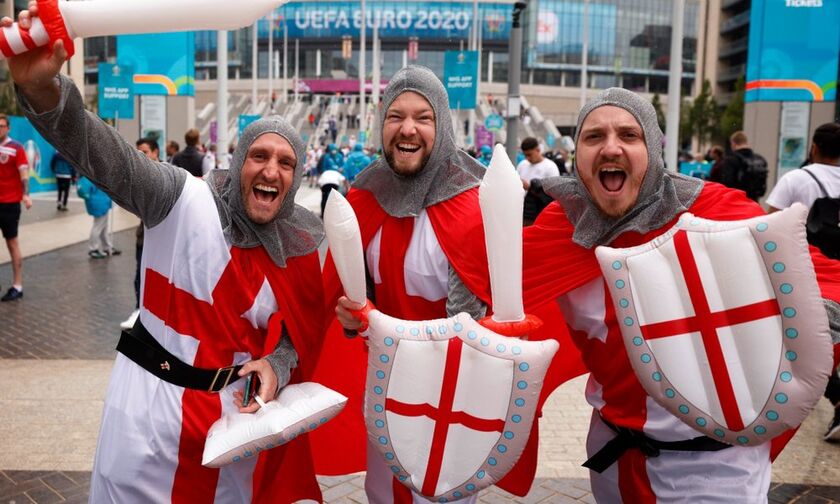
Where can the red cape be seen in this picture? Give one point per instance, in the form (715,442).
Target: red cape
(301,309)
(340,445)
(553,261)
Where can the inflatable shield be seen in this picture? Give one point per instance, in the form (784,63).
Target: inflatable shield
(450,403)
(723,323)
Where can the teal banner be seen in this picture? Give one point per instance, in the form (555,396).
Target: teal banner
(38,152)
(116,91)
(460,75)
(793,50)
(164,63)
(245,120)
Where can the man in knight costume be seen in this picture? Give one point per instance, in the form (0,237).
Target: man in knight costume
(422,234)
(622,196)
(229,278)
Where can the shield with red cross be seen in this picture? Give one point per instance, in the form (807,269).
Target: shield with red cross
(449,403)
(723,323)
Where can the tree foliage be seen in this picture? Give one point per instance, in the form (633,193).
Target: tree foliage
(656,101)
(732,118)
(704,115)
(8,103)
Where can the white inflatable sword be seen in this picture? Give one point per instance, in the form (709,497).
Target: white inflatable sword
(345,239)
(92,18)
(502,198)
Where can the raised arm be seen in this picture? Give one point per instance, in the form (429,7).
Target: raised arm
(56,109)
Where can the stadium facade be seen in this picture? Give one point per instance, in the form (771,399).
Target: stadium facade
(628,46)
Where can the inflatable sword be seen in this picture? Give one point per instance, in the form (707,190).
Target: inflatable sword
(93,18)
(501,198)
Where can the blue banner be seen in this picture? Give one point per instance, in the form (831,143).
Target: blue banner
(397,19)
(116,91)
(164,63)
(38,152)
(793,50)
(460,73)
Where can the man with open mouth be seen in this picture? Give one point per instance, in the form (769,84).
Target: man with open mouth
(424,247)
(622,196)
(230,285)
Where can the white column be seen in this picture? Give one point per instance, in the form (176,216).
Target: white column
(222,98)
(377,63)
(362,45)
(284,98)
(490,66)
(254,69)
(297,67)
(672,121)
(318,63)
(270,57)
(405,58)
(584,76)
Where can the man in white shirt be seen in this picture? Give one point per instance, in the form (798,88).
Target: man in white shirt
(797,185)
(534,168)
(801,186)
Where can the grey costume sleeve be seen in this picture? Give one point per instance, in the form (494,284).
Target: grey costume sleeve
(833,311)
(283,359)
(146,188)
(461,299)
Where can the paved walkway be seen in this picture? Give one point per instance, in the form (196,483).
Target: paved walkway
(57,347)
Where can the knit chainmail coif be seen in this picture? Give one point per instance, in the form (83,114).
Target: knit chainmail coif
(448,172)
(295,231)
(662,196)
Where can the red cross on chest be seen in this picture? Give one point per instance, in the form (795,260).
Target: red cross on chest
(443,415)
(707,322)
(221,330)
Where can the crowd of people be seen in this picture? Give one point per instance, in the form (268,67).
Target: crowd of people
(229,281)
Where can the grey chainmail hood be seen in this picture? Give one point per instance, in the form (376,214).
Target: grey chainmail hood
(662,196)
(295,231)
(449,170)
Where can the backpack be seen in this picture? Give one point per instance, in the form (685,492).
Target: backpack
(752,178)
(823,224)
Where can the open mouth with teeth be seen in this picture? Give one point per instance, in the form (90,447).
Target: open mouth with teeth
(407,148)
(612,179)
(265,194)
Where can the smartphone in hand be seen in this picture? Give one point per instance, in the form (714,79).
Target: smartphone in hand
(251,385)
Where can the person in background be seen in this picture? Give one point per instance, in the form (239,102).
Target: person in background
(191,157)
(172,148)
(98,206)
(14,190)
(532,170)
(744,169)
(65,175)
(356,162)
(485,154)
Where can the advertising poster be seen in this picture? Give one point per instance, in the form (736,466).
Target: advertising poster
(460,75)
(116,91)
(163,63)
(793,136)
(153,118)
(38,152)
(793,50)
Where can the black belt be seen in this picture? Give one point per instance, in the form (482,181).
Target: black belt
(139,346)
(629,438)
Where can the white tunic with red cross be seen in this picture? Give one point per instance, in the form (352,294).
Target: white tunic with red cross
(210,305)
(736,474)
